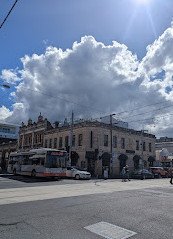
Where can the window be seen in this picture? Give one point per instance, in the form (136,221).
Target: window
(123,143)
(26,140)
(105,140)
(40,138)
(150,147)
(144,148)
(29,139)
(60,142)
(45,144)
(80,140)
(137,144)
(55,143)
(73,141)
(114,141)
(66,141)
(83,165)
(50,143)
(91,139)
(36,138)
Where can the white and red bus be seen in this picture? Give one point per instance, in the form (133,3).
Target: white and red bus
(42,162)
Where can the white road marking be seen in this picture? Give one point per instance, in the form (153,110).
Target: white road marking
(110,231)
(28,194)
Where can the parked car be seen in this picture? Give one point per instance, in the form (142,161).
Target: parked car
(73,172)
(159,172)
(142,174)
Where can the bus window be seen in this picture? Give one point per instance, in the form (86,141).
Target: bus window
(36,161)
(42,161)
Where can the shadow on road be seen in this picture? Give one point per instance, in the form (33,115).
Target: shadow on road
(27,179)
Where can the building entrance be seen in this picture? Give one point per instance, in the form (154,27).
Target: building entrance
(122,158)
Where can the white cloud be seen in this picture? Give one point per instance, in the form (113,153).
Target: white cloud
(93,80)
(10,76)
(157,65)
(4,113)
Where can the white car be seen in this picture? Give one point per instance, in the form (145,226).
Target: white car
(73,172)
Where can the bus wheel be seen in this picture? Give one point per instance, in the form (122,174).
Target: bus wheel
(33,174)
(14,171)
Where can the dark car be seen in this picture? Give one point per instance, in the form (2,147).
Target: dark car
(142,174)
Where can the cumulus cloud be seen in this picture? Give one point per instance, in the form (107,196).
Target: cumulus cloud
(94,80)
(10,76)
(4,113)
(157,65)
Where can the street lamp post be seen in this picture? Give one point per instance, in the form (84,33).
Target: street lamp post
(142,144)
(71,139)
(111,142)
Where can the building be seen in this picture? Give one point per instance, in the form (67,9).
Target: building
(93,149)
(164,151)
(5,150)
(8,132)
(165,143)
(31,135)
(8,141)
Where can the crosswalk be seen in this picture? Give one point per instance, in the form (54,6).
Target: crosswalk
(28,194)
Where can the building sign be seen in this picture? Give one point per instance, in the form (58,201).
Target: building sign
(130,151)
(163,158)
(58,153)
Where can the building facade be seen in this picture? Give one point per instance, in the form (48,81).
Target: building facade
(8,133)
(164,151)
(93,149)
(5,150)
(8,142)
(32,135)
(165,143)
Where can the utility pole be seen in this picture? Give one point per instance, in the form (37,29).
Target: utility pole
(111,142)
(142,144)
(71,140)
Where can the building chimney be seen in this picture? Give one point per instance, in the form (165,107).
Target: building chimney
(56,124)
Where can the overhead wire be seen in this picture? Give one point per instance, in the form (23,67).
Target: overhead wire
(149,111)
(89,106)
(8,14)
(140,107)
(62,98)
(98,111)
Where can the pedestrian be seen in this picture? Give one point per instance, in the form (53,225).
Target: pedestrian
(123,172)
(127,172)
(170,172)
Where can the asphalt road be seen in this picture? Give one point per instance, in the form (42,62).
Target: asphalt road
(144,207)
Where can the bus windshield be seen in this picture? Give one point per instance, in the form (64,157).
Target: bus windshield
(55,160)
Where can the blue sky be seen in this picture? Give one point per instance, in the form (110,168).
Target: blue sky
(61,22)
(35,25)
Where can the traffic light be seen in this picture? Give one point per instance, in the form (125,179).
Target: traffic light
(74,155)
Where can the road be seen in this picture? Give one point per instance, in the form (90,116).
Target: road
(67,209)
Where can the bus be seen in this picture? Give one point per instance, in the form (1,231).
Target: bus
(42,162)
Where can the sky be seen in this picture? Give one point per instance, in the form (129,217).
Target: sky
(94,57)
